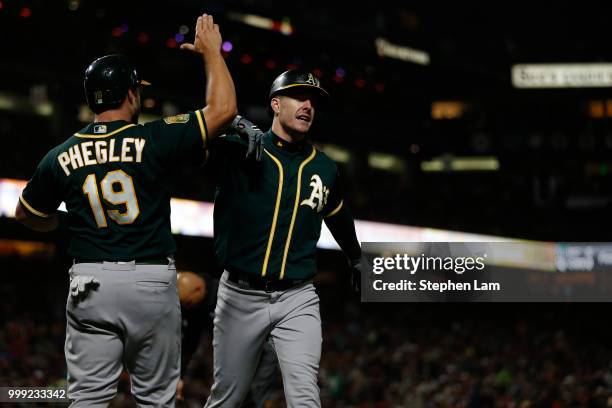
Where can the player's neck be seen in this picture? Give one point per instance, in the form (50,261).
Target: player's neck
(286,134)
(112,115)
(123,112)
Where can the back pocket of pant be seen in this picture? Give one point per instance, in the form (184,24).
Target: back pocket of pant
(154,283)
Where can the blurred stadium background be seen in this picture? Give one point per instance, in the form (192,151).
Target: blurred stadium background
(433,134)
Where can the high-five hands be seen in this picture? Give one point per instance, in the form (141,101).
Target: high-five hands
(207,37)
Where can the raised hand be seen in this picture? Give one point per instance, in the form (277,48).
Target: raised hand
(207,37)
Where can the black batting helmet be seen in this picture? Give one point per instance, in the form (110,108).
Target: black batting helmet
(293,79)
(107,81)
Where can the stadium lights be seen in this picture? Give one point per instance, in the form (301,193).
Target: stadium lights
(117,32)
(17,103)
(432,165)
(379,161)
(22,248)
(441,110)
(386,49)
(475,164)
(446,164)
(227,46)
(25,12)
(283,27)
(336,153)
(595,75)
(270,64)
(598,109)
(142,38)
(387,162)
(43,108)
(147,117)
(7,102)
(85,114)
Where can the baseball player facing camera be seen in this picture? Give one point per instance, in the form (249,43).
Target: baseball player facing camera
(268,215)
(123,308)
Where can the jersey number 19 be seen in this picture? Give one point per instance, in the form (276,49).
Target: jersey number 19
(125,195)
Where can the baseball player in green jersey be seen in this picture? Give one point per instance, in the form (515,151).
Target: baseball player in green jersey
(113,175)
(267,221)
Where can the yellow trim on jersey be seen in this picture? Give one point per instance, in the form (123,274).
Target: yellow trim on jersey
(336,210)
(276,208)
(199,114)
(32,209)
(295,208)
(106,134)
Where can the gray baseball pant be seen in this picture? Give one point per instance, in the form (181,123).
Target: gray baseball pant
(262,386)
(132,319)
(244,320)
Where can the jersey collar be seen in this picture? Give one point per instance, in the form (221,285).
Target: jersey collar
(284,146)
(103,129)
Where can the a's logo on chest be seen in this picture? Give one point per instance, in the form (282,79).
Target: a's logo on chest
(318,196)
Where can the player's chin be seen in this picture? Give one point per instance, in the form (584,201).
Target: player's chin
(301,126)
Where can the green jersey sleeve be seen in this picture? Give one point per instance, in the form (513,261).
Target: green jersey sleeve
(43,193)
(179,136)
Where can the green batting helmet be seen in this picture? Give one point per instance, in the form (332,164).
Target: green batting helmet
(297,79)
(107,81)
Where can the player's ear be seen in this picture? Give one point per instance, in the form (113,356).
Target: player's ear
(275,105)
(132,95)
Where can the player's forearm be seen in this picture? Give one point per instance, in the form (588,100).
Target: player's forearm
(342,228)
(221,106)
(35,222)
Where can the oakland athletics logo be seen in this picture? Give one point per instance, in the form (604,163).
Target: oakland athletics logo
(312,80)
(319,193)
